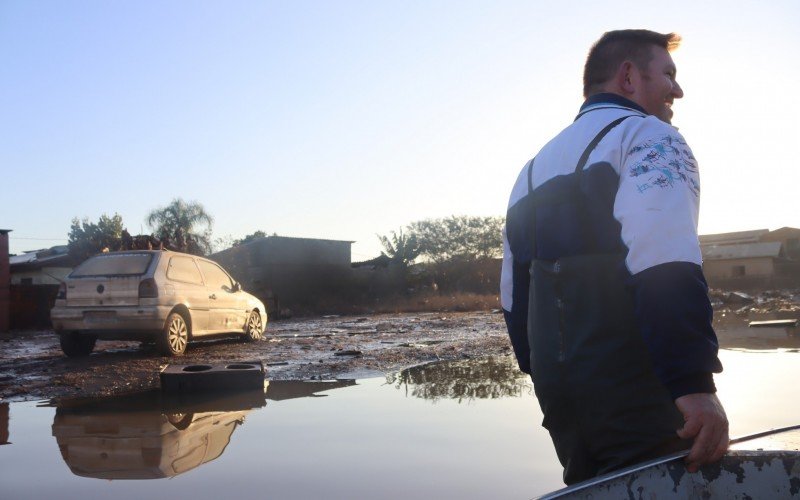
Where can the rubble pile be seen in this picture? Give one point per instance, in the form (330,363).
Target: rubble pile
(769,302)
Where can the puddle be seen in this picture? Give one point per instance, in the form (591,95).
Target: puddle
(741,336)
(465,429)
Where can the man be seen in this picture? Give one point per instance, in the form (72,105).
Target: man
(602,286)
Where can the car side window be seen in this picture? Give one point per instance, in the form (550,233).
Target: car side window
(216,278)
(184,269)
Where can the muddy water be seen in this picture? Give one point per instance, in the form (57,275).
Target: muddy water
(450,430)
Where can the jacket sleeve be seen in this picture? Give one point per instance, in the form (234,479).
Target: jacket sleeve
(657,205)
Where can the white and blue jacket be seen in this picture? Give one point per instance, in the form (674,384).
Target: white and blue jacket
(641,193)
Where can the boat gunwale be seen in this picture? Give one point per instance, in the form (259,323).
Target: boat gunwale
(596,481)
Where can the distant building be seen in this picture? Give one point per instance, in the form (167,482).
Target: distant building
(283,271)
(758,258)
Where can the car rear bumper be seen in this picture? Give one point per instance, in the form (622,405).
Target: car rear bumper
(133,319)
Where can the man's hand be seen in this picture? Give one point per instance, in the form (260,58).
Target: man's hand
(706,423)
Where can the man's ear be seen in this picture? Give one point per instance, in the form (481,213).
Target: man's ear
(628,77)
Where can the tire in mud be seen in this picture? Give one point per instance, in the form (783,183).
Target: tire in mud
(76,345)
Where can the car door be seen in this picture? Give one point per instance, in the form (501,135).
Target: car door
(189,290)
(226,308)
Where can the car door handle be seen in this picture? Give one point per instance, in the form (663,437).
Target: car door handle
(212,296)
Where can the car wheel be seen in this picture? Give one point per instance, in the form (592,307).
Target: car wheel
(254,328)
(75,344)
(180,421)
(175,337)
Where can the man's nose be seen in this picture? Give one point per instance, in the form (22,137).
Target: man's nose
(677,91)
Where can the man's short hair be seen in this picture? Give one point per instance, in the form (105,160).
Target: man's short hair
(616,47)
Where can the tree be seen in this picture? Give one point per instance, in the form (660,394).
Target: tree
(228,241)
(87,239)
(223,243)
(180,225)
(402,249)
(459,236)
(250,237)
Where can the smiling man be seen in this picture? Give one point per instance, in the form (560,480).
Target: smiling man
(602,286)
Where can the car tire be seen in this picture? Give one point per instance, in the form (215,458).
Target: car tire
(254,328)
(180,421)
(175,337)
(76,345)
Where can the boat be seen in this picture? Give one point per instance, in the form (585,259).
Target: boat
(762,465)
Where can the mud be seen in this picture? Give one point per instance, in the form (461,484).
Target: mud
(32,366)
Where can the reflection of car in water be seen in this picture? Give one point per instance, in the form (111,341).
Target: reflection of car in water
(146,436)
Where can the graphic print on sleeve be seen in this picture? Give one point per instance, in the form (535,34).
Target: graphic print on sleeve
(662,163)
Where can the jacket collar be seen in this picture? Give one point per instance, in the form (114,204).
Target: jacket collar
(608,100)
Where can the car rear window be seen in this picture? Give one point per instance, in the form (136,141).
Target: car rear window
(114,264)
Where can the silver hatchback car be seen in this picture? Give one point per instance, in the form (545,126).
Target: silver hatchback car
(152,295)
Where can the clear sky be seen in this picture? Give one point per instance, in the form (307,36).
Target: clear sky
(343,119)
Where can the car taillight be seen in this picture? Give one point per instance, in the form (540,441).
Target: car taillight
(148,289)
(62,291)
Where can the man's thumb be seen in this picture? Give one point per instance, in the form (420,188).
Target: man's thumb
(690,429)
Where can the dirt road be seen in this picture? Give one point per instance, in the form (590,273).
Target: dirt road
(33,367)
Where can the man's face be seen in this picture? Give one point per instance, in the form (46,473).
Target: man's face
(658,88)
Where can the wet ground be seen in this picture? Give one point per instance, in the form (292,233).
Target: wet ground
(457,429)
(32,365)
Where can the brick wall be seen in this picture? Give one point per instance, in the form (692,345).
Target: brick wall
(5,280)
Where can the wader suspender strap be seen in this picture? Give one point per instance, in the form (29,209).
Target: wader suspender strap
(578,169)
(595,142)
(583,214)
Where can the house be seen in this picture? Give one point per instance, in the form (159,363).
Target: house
(286,270)
(757,258)
(789,238)
(47,266)
(34,278)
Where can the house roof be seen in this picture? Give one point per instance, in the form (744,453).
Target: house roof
(785,231)
(298,238)
(381,260)
(742,251)
(57,256)
(267,239)
(752,236)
